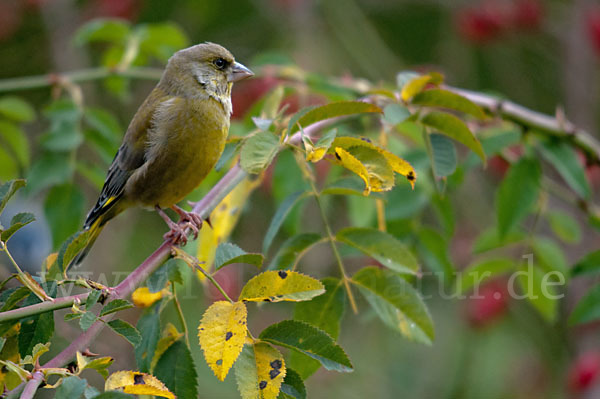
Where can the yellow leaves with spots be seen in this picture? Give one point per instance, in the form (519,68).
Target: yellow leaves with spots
(281,285)
(9,378)
(223,219)
(143,298)
(222,333)
(375,165)
(260,371)
(349,162)
(137,383)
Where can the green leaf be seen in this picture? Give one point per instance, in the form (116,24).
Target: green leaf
(126,330)
(433,249)
(589,264)
(18,221)
(549,256)
(71,248)
(347,186)
(115,306)
(540,291)
(13,297)
(588,308)
(228,253)
(72,387)
(228,153)
(167,272)
(381,246)
(490,239)
(149,327)
(8,189)
(475,274)
(92,393)
(64,208)
(92,298)
(49,170)
(14,139)
(72,316)
(177,371)
(444,155)
(110,30)
(309,340)
(517,194)
(564,226)
(454,128)
(395,113)
(336,109)
(9,169)
(396,302)
(258,151)
(324,312)
(288,253)
(162,39)
(104,123)
(564,158)
(35,330)
(293,385)
(284,209)
(17,109)
(447,99)
(86,320)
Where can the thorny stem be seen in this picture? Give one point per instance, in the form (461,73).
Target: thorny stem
(181,318)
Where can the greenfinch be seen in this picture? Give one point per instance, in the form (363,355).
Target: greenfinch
(173,141)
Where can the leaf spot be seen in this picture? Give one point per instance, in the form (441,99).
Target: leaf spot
(138,379)
(274,373)
(262,384)
(276,364)
(228,335)
(410,176)
(282,274)
(219,362)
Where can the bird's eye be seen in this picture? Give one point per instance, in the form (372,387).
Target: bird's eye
(220,63)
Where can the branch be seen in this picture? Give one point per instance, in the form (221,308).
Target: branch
(556,126)
(83,75)
(46,306)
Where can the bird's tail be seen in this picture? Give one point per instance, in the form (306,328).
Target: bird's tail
(92,232)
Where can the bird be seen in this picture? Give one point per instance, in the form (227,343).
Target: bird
(173,141)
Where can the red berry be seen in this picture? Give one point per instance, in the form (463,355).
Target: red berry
(247,92)
(593,27)
(527,14)
(584,371)
(487,303)
(482,23)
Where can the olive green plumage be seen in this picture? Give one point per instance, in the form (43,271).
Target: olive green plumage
(175,138)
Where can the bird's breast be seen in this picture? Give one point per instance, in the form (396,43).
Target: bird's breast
(186,141)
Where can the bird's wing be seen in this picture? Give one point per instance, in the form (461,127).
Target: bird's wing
(130,156)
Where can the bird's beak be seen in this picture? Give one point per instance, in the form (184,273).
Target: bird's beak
(239,72)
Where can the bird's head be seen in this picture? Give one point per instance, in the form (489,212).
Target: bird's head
(205,69)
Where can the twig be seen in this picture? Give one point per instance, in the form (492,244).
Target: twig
(555,126)
(83,75)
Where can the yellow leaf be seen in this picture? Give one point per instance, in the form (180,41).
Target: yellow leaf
(10,352)
(169,336)
(260,372)
(137,383)
(49,261)
(143,298)
(416,85)
(349,162)
(223,219)
(222,333)
(397,164)
(282,285)
(315,154)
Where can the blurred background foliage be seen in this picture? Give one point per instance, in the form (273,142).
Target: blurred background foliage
(542,54)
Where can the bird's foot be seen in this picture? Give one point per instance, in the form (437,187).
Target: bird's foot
(190,220)
(176,234)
